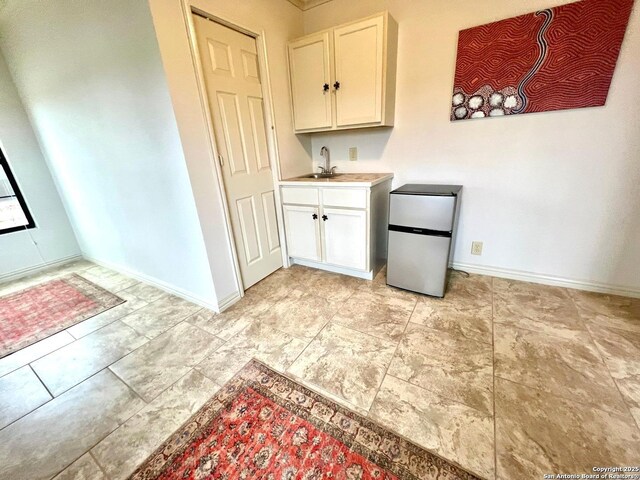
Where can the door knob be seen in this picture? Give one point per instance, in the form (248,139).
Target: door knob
(314,216)
(336,85)
(324,218)
(325,87)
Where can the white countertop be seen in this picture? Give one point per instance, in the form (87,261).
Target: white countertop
(340,180)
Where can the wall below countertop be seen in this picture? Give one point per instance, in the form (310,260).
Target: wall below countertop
(554,196)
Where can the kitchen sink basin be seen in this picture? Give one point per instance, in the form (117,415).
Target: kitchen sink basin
(321,175)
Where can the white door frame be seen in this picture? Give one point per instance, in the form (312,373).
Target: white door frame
(200,7)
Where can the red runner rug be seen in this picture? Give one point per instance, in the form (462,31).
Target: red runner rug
(40,311)
(263,425)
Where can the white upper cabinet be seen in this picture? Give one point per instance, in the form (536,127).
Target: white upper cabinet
(358,50)
(344,77)
(310,69)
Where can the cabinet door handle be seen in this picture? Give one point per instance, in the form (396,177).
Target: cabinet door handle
(325,88)
(314,216)
(324,218)
(336,85)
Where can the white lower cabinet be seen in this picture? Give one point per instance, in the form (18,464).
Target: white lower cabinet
(345,237)
(341,229)
(303,232)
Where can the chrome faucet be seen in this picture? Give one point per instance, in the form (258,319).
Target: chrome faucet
(327,169)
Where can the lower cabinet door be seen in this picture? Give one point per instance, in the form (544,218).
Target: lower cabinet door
(303,232)
(345,237)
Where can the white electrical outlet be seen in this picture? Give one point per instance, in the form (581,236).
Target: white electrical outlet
(476,248)
(353,154)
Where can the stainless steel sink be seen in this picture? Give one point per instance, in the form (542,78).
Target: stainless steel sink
(321,175)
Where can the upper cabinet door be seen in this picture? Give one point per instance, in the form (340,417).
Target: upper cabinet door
(310,72)
(359,63)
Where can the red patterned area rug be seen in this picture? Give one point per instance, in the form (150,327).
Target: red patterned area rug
(40,311)
(262,425)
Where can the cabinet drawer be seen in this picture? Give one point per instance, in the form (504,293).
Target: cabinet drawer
(344,197)
(300,195)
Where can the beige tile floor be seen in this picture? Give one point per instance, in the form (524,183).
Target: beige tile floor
(507,379)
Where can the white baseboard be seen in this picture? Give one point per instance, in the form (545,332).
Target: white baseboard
(17,274)
(178,292)
(228,301)
(548,280)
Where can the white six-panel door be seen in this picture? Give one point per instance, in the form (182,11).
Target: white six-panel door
(232,76)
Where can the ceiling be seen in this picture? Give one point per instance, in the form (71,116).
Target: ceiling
(307,4)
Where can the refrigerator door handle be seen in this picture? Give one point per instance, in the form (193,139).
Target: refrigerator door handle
(419,231)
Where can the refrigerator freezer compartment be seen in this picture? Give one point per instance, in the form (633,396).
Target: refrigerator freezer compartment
(422,211)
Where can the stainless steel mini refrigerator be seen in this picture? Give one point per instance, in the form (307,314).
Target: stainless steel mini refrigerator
(422,224)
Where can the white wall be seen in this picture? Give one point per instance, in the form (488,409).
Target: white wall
(55,239)
(553,196)
(91,78)
(278,21)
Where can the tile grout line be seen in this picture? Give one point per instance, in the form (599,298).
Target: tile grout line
(182,319)
(106,325)
(448,333)
(38,407)
(395,351)
(100,467)
(427,389)
(453,400)
(324,392)
(590,405)
(75,339)
(101,439)
(77,385)
(103,368)
(88,378)
(43,384)
(145,403)
(38,358)
(29,364)
(378,295)
(132,351)
(625,402)
(606,365)
(190,371)
(540,331)
(319,332)
(129,387)
(252,318)
(191,368)
(566,400)
(207,332)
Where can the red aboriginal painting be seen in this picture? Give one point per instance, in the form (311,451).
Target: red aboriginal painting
(553,59)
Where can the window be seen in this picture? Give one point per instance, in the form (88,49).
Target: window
(14,214)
